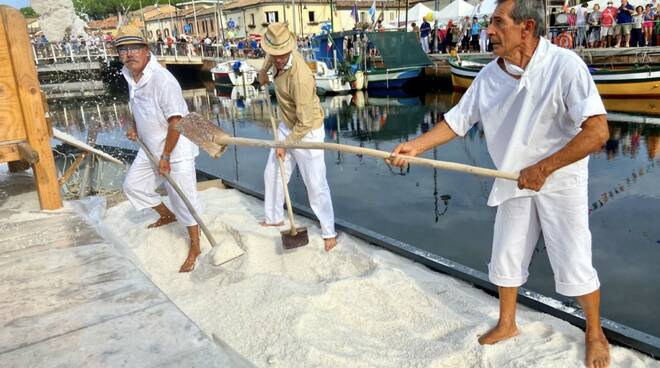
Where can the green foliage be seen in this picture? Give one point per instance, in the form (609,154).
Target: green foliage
(101,9)
(28,12)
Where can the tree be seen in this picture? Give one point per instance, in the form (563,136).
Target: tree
(100,9)
(28,12)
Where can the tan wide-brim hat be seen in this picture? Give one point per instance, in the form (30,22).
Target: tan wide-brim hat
(278,40)
(129,35)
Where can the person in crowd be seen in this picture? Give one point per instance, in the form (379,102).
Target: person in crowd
(647,26)
(475,29)
(656,28)
(157,104)
(483,34)
(607,23)
(624,24)
(415,30)
(552,26)
(636,35)
(594,26)
(424,32)
(581,24)
(548,141)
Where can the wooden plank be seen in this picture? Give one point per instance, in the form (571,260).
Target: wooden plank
(9,153)
(29,94)
(11,117)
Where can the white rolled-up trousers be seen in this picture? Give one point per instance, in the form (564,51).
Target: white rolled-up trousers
(142,180)
(311,164)
(563,218)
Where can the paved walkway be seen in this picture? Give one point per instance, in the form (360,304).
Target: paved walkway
(68,298)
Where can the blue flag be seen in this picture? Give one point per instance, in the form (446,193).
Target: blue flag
(372,11)
(354,13)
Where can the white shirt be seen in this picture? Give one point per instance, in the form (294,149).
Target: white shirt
(529,119)
(153,99)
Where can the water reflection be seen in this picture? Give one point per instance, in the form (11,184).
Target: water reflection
(438,211)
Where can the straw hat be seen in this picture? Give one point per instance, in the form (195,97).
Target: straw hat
(278,40)
(129,35)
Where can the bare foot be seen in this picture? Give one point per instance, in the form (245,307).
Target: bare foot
(265,224)
(189,264)
(498,333)
(163,220)
(598,351)
(330,243)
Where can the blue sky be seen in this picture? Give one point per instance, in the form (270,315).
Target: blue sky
(16,3)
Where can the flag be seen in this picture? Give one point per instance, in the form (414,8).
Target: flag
(354,13)
(372,11)
(330,43)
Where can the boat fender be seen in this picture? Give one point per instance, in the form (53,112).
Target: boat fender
(237,67)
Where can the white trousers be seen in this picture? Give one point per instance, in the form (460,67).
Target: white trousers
(483,41)
(312,168)
(142,179)
(425,43)
(562,216)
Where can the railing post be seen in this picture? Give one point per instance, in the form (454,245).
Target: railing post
(105,53)
(52,49)
(34,51)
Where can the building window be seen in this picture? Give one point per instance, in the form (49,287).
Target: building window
(272,17)
(167,32)
(252,18)
(211,25)
(311,16)
(392,16)
(363,16)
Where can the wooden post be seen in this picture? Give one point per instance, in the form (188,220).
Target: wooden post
(22,115)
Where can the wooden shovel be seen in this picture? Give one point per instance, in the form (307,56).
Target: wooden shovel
(215,140)
(294,237)
(229,251)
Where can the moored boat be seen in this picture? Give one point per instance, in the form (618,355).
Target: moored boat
(613,82)
(234,73)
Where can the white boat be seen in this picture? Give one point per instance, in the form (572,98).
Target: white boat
(234,73)
(328,81)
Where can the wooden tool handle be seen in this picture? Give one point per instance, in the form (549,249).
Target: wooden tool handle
(285,186)
(226,140)
(182,195)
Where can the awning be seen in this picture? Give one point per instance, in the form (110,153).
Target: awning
(399,49)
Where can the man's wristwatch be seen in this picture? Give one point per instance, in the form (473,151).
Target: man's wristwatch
(165,157)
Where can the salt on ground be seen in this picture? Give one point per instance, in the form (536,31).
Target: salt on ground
(356,306)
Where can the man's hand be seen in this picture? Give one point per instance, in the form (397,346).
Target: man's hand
(164,167)
(131,134)
(263,77)
(280,152)
(533,177)
(407,149)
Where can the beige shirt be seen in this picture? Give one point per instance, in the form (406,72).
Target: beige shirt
(298,103)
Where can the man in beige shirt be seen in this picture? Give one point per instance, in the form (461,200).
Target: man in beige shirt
(301,120)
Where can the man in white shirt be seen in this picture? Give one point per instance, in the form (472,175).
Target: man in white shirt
(542,116)
(157,105)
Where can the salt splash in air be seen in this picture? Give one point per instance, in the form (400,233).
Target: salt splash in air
(57,17)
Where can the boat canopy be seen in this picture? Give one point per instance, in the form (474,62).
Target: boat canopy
(391,44)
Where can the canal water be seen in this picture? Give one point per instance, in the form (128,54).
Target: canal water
(439,211)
